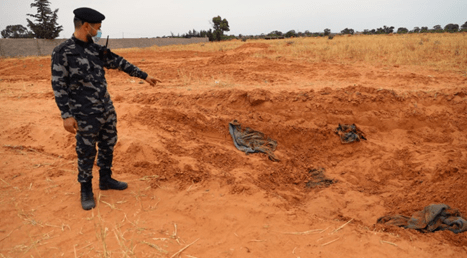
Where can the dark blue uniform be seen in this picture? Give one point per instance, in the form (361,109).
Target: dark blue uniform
(80,88)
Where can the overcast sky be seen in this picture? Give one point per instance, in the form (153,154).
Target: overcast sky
(145,18)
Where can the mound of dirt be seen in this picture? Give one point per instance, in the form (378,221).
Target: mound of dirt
(189,187)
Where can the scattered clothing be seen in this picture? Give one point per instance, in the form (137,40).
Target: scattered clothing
(349,133)
(251,141)
(318,179)
(432,218)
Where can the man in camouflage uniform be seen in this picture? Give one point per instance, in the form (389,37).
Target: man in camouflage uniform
(80,88)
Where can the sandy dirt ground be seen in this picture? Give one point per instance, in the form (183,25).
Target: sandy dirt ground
(193,194)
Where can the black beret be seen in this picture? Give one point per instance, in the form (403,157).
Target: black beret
(88,15)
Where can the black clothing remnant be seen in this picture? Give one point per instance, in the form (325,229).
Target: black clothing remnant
(251,141)
(318,179)
(432,218)
(349,133)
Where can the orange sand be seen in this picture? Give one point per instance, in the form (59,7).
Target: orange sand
(191,190)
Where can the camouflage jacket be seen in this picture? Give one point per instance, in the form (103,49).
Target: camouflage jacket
(78,77)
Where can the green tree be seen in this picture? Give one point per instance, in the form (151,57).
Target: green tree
(388,30)
(402,30)
(385,30)
(380,31)
(347,31)
(451,27)
(45,26)
(275,33)
(327,32)
(290,33)
(463,27)
(16,31)
(437,28)
(210,35)
(219,25)
(369,32)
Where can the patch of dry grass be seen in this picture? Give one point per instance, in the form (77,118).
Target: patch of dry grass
(443,51)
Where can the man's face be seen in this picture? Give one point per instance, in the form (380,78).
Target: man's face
(93,28)
(92,31)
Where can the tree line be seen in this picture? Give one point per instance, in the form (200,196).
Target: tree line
(452,28)
(216,33)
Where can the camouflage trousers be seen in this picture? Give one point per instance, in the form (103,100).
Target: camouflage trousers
(91,130)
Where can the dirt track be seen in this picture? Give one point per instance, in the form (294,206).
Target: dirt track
(189,183)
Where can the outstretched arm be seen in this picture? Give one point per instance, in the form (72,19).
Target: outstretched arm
(152,81)
(114,61)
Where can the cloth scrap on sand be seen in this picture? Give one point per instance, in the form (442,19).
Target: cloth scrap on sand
(251,141)
(432,218)
(318,179)
(349,133)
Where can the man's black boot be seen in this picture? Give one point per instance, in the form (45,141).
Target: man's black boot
(87,197)
(106,182)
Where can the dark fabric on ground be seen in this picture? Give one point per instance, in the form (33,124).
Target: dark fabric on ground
(251,141)
(318,179)
(349,133)
(432,218)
